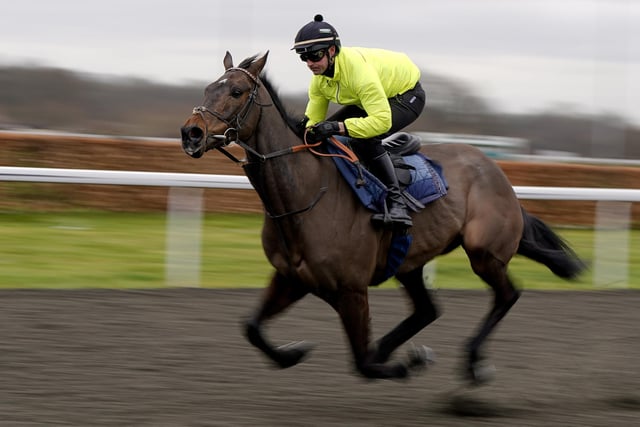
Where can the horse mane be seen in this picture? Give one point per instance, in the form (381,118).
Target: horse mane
(291,120)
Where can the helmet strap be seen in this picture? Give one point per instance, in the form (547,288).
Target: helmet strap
(331,59)
(329,72)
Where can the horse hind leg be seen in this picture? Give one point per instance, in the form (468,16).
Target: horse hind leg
(280,294)
(424,313)
(494,273)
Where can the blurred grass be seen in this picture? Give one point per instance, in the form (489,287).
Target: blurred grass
(127,250)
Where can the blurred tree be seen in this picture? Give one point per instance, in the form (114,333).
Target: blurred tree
(58,99)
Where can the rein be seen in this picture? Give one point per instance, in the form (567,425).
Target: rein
(348,154)
(264,157)
(232,135)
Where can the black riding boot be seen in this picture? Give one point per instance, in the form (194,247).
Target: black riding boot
(396,208)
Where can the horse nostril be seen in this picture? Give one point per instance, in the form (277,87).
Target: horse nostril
(196,134)
(191,134)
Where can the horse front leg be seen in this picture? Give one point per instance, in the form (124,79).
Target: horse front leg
(281,293)
(353,309)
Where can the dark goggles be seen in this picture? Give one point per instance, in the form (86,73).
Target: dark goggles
(312,56)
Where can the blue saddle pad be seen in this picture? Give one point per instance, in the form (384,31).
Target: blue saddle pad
(427,180)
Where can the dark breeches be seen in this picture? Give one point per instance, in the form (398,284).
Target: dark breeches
(405,109)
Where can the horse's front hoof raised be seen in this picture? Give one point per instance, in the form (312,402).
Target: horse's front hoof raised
(291,354)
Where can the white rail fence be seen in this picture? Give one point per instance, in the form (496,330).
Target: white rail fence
(184,211)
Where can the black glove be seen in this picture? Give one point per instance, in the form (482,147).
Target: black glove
(323,130)
(301,125)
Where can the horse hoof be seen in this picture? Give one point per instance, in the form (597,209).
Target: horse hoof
(481,373)
(291,354)
(420,357)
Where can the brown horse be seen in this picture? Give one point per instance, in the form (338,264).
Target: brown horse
(320,239)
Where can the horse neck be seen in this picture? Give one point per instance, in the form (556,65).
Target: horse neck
(286,183)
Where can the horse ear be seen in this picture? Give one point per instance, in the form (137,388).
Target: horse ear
(258,64)
(228,61)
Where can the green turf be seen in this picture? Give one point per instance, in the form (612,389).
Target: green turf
(118,250)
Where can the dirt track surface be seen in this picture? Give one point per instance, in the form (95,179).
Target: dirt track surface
(177,358)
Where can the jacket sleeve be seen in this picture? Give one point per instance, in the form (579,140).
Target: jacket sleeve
(366,85)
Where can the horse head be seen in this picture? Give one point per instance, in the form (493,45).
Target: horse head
(226,114)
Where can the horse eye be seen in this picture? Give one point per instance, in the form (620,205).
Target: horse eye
(236,93)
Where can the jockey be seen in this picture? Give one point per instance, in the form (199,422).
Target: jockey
(380,93)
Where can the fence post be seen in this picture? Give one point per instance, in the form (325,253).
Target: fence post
(184,229)
(611,244)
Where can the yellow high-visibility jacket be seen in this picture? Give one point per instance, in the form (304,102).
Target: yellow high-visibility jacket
(367,78)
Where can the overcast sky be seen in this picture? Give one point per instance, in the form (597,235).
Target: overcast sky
(522,55)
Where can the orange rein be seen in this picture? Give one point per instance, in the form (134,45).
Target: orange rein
(348,153)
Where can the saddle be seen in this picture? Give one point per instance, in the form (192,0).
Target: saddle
(402,144)
(421,179)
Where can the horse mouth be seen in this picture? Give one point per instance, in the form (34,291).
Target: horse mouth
(195,154)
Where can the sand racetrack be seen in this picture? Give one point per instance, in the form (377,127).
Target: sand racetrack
(177,357)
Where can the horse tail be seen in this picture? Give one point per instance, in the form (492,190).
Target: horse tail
(542,245)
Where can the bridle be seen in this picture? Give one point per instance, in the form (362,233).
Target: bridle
(234,123)
(232,134)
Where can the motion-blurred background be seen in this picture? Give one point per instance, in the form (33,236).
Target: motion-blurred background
(547,88)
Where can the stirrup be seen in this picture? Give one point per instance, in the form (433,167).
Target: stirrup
(385,220)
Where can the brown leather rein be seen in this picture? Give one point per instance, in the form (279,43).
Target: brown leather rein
(232,133)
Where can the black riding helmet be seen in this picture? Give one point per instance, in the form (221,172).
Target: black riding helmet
(316,35)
